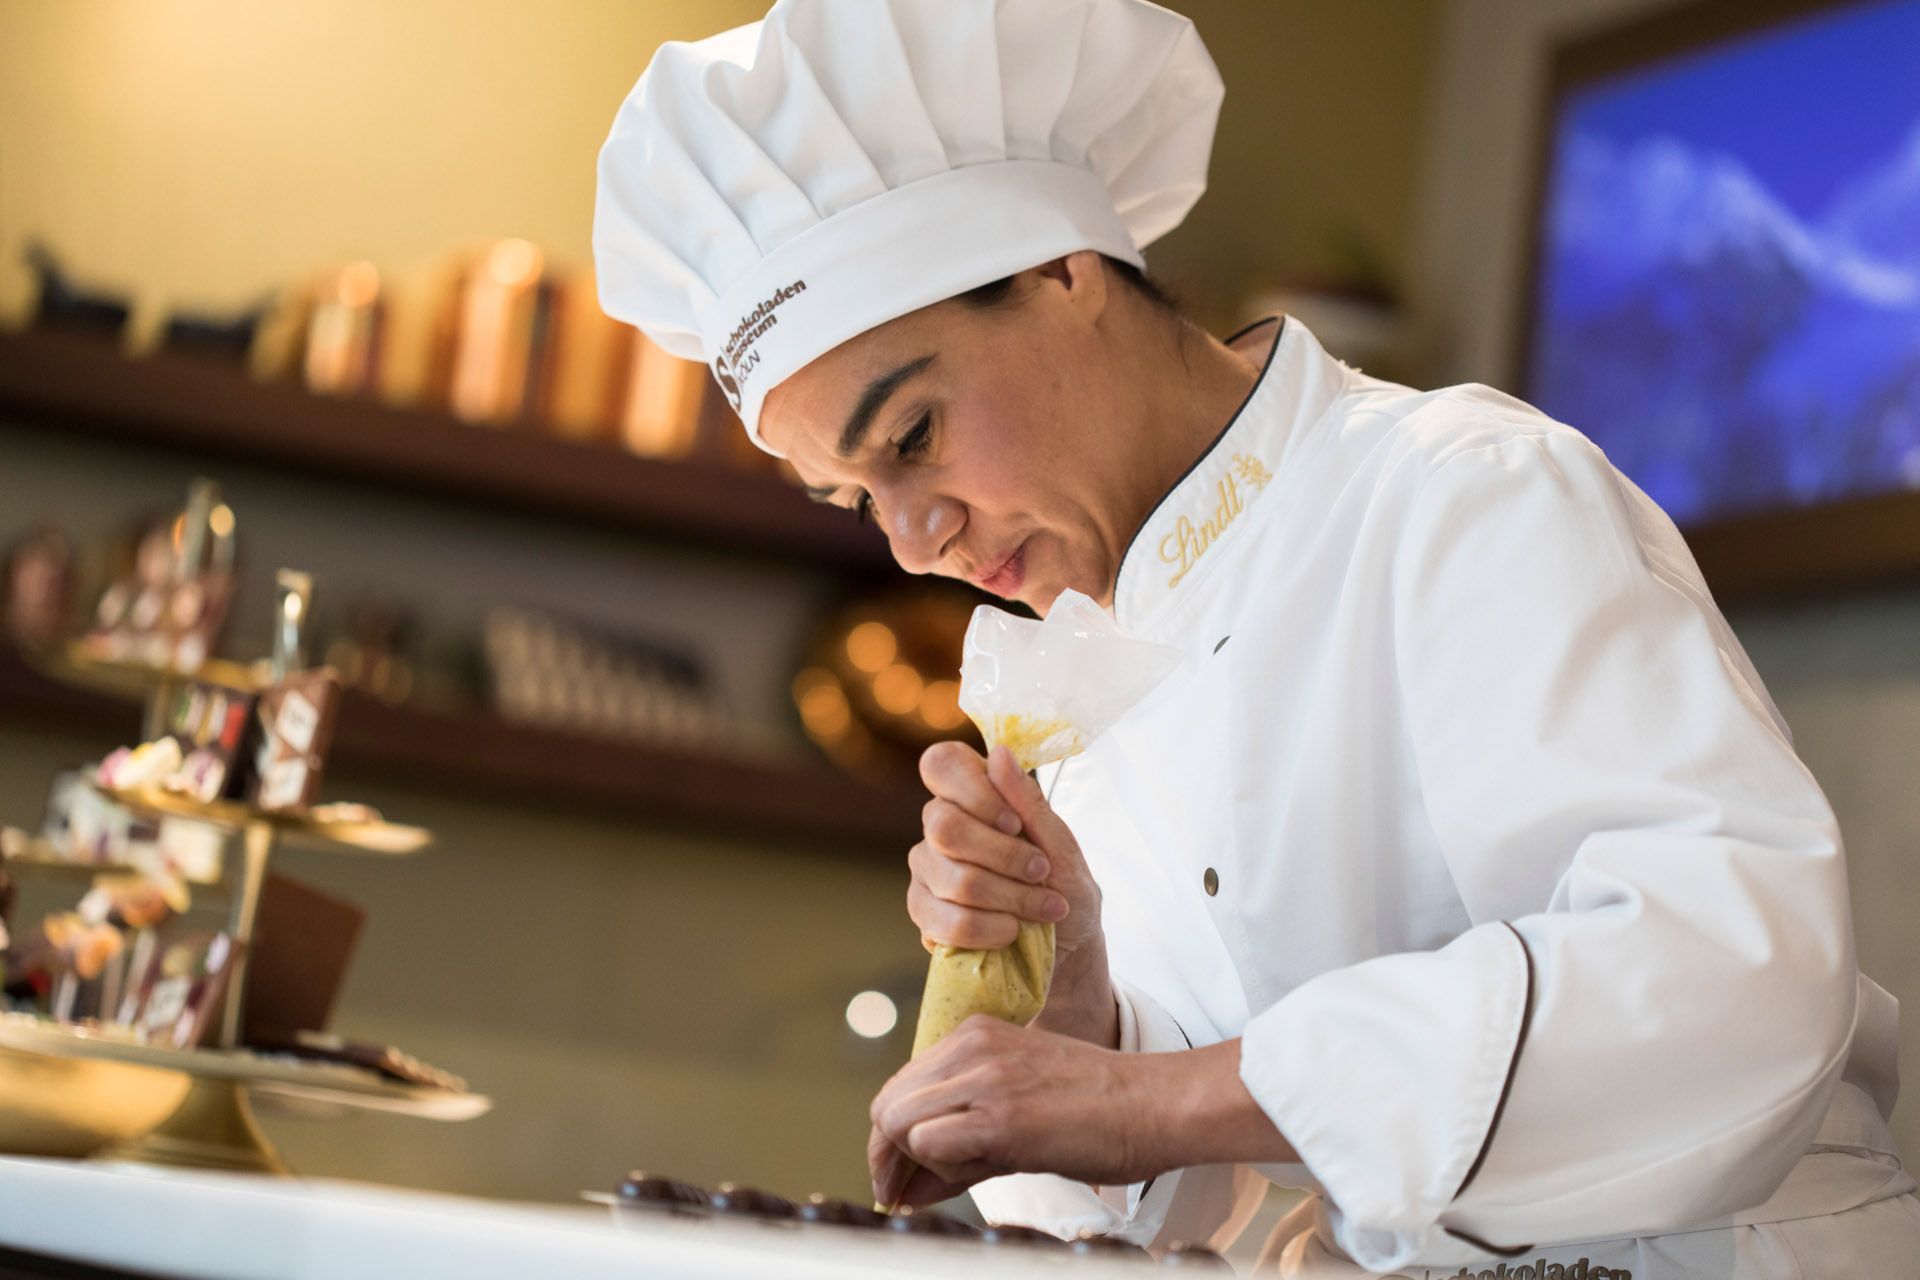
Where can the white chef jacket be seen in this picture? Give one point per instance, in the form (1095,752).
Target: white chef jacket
(1468,814)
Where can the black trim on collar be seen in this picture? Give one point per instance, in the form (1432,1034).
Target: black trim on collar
(1251,325)
(1214,443)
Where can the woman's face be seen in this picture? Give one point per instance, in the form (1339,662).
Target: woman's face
(987,444)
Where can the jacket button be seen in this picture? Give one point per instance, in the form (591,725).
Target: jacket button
(1212,881)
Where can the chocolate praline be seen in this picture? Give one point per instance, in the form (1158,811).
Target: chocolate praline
(930,1224)
(839,1213)
(1195,1257)
(1009,1234)
(751,1202)
(644,1191)
(1107,1247)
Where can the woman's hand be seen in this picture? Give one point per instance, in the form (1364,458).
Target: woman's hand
(995,854)
(993,1098)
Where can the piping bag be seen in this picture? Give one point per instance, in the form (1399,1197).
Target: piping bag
(1044,690)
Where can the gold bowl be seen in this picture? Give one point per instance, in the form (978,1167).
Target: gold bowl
(55,1106)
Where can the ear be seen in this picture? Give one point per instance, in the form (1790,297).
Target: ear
(1083,276)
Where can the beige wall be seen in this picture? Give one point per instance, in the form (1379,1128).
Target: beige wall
(1319,143)
(204,151)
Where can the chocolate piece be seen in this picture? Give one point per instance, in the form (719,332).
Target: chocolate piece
(1195,1257)
(729,1197)
(303,942)
(177,993)
(926,1222)
(644,1191)
(1009,1234)
(319,1046)
(296,721)
(839,1213)
(210,723)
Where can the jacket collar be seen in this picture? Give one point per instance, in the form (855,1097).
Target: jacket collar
(1206,509)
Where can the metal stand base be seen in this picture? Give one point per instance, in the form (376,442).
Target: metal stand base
(213,1128)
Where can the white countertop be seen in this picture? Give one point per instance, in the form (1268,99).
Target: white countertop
(208,1226)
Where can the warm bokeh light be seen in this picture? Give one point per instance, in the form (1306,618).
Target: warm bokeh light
(823,705)
(940,705)
(514,262)
(871,646)
(358,284)
(897,689)
(220,520)
(872,1014)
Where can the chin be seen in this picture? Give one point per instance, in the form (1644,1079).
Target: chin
(1040,597)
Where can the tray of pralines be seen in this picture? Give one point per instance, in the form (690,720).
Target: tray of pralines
(646,1198)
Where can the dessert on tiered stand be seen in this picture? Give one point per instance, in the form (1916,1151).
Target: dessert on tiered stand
(126,1034)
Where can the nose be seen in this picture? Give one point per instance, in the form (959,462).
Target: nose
(920,528)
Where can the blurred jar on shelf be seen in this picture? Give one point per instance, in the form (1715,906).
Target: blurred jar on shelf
(576,678)
(500,336)
(372,648)
(39,587)
(500,315)
(343,341)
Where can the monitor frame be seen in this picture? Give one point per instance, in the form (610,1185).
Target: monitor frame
(1836,546)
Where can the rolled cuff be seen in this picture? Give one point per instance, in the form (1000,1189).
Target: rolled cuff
(1388,1078)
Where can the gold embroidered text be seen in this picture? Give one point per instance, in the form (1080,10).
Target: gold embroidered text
(1189,541)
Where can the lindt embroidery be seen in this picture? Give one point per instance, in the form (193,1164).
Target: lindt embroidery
(1189,541)
(1250,470)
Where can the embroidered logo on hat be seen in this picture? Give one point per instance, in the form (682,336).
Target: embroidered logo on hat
(727,384)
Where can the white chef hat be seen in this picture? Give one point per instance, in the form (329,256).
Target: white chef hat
(770,192)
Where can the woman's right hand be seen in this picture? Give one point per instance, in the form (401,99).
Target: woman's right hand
(994,853)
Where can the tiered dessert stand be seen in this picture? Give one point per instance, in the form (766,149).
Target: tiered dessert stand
(69,1090)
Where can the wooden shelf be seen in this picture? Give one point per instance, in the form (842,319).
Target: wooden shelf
(192,405)
(477,753)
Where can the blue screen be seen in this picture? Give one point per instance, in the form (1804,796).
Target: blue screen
(1729,298)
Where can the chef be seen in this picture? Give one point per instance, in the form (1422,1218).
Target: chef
(1463,874)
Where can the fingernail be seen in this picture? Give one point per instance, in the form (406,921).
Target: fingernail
(1008,821)
(1037,869)
(1056,908)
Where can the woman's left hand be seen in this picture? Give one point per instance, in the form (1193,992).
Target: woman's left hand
(993,1098)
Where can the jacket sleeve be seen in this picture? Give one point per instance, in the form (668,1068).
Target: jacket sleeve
(1205,1205)
(1641,1030)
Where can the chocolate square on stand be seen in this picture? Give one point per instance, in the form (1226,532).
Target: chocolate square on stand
(296,718)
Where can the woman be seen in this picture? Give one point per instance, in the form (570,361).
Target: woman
(1464,872)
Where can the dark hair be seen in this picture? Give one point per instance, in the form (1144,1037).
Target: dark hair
(997,292)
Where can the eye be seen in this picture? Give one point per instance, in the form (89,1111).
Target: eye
(915,441)
(910,445)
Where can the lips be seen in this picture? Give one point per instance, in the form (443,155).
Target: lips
(1005,578)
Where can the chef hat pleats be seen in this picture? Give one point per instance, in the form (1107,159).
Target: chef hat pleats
(778,189)
(871,88)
